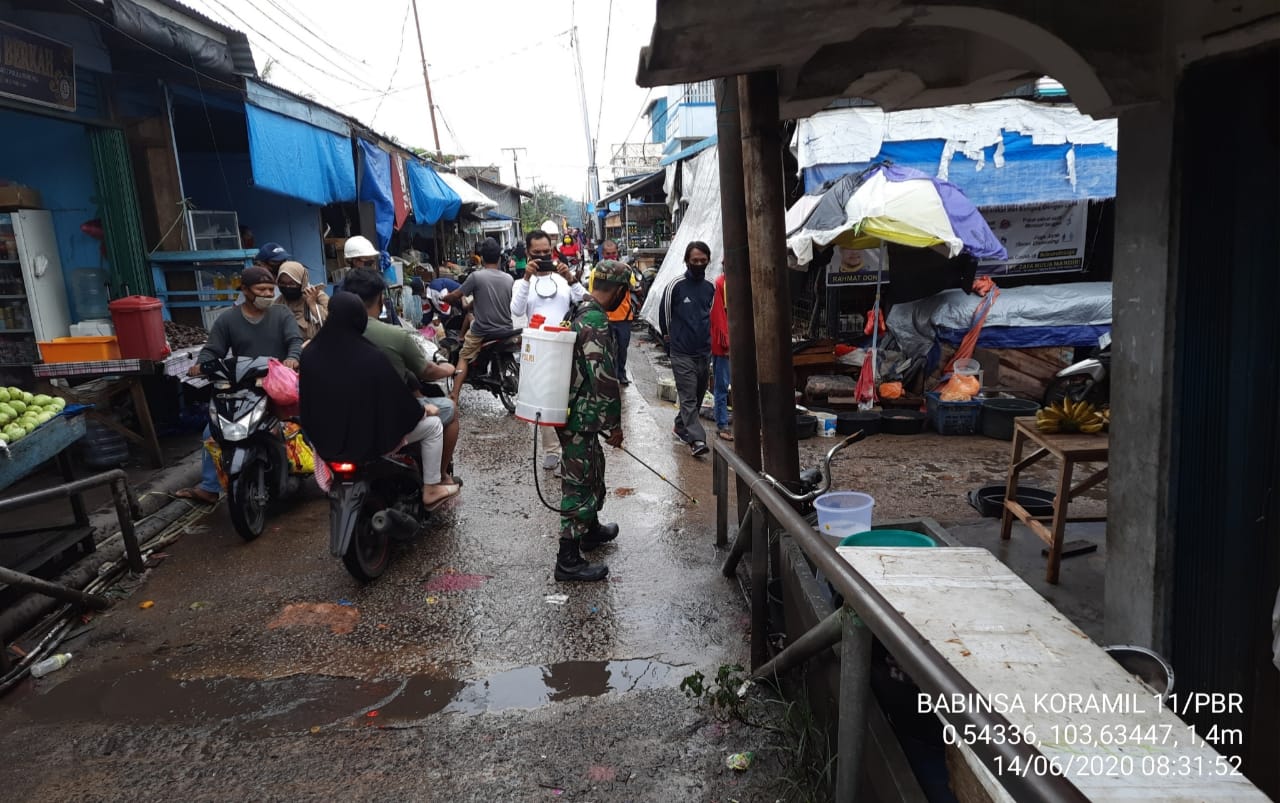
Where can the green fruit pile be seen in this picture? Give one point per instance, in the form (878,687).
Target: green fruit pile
(21,412)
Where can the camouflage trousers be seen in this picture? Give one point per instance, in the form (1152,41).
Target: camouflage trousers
(581,481)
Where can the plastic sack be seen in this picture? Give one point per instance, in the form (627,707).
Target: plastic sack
(281,383)
(960,388)
(215,451)
(302,458)
(891,390)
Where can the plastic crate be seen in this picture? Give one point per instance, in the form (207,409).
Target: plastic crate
(953,418)
(79,349)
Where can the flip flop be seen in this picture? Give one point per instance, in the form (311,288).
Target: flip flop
(725,435)
(198,495)
(454,490)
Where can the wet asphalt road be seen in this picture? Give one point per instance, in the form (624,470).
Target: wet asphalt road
(264,672)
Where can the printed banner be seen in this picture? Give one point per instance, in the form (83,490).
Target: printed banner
(36,69)
(400,190)
(854,268)
(1043,238)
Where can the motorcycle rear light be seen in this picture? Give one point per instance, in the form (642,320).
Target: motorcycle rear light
(343,468)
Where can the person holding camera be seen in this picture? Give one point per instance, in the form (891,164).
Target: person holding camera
(548,289)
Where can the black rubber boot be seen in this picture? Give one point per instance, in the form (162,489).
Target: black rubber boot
(571,566)
(598,535)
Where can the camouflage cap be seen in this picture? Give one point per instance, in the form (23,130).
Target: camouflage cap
(611,271)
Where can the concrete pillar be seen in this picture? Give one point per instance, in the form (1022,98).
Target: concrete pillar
(1139,567)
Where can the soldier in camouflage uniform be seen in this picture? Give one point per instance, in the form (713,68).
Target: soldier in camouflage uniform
(595,408)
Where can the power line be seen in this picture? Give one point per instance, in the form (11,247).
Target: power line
(404,28)
(277,4)
(604,69)
(243,23)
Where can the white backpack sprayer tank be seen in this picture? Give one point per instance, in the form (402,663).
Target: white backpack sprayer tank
(546,367)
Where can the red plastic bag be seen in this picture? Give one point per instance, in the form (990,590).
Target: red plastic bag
(281,383)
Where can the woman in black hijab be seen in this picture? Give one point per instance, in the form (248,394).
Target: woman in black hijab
(356,408)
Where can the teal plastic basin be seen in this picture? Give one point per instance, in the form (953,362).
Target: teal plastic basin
(888,538)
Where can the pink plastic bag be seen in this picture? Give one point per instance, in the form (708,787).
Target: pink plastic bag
(281,383)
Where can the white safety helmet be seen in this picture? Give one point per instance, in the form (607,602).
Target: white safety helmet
(358,247)
(551,228)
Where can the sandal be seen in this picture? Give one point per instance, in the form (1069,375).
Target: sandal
(453,491)
(725,435)
(197,494)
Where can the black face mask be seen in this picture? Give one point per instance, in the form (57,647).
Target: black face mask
(696,271)
(291,293)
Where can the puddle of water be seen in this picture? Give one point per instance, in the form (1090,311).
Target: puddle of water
(151,695)
(528,687)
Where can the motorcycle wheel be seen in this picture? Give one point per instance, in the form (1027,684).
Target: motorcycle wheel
(369,553)
(247,500)
(1077,388)
(508,381)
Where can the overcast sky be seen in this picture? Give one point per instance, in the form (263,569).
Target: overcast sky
(501,72)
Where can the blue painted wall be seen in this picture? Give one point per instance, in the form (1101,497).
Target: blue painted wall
(54,158)
(226,184)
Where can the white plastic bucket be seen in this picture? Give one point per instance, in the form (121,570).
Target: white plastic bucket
(826,423)
(546,366)
(843,513)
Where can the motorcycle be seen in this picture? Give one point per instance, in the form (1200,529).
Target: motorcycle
(496,368)
(1086,380)
(372,504)
(250,438)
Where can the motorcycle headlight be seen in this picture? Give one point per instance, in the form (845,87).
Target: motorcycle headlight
(233,430)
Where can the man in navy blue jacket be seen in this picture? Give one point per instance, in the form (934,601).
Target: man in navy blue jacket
(684,319)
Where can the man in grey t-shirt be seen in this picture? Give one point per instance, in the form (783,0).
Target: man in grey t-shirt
(491,288)
(256,328)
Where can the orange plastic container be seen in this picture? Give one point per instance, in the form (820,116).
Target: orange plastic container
(79,349)
(139,322)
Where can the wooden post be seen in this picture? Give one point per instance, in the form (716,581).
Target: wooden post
(737,271)
(770,284)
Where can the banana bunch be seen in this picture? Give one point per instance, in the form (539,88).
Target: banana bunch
(1071,416)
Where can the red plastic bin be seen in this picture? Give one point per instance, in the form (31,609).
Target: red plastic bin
(139,322)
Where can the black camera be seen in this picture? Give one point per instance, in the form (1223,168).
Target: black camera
(545,265)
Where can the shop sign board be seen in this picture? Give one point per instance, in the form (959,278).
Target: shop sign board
(1040,238)
(36,69)
(851,267)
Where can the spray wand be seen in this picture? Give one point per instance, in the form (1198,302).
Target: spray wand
(659,474)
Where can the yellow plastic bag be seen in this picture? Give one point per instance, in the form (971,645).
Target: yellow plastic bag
(302,459)
(211,446)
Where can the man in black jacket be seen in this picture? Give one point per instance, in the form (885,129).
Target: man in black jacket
(684,319)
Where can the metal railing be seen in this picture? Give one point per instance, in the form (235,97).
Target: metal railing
(867,606)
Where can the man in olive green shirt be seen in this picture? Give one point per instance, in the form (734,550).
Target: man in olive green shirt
(406,358)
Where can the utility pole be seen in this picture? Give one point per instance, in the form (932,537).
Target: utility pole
(431,104)
(593,176)
(515,163)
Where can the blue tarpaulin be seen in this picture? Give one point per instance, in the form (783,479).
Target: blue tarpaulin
(375,187)
(433,200)
(299,160)
(1030,173)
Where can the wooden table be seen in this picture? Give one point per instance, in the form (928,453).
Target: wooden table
(110,379)
(1070,449)
(1085,714)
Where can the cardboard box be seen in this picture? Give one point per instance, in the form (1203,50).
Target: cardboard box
(18,196)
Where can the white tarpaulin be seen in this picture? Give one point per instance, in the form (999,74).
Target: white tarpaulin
(700,184)
(1044,238)
(468,193)
(842,136)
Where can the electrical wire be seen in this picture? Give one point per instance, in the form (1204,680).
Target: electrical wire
(404,29)
(325,41)
(332,75)
(604,69)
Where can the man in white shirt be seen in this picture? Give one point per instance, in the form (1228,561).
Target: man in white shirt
(548,289)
